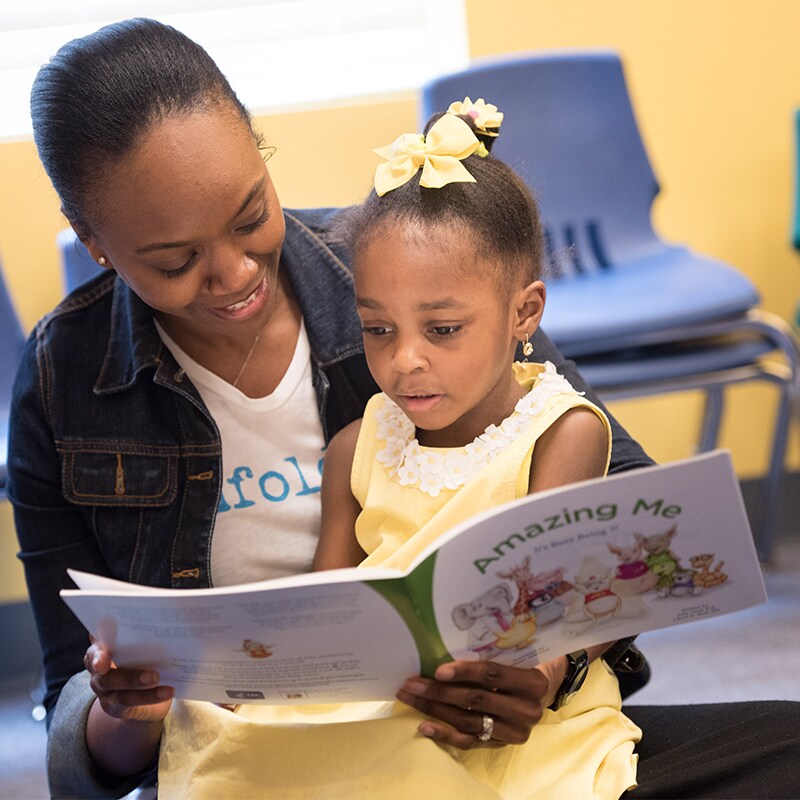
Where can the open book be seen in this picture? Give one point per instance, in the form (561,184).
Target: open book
(523,583)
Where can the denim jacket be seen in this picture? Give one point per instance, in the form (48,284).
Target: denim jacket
(115,463)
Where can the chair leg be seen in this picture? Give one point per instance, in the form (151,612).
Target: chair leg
(712,417)
(770,495)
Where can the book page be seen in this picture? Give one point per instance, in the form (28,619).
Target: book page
(596,562)
(339,641)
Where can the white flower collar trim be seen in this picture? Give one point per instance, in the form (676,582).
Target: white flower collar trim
(409,464)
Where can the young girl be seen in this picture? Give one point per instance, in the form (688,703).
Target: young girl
(446,260)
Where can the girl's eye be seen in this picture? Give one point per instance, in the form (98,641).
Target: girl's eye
(176,273)
(254,226)
(375,330)
(445,330)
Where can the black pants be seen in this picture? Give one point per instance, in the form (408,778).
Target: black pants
(727,750)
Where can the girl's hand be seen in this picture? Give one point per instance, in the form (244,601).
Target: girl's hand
(464,691)
(128,694)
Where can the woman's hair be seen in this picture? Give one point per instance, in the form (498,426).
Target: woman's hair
(498,212)
(100,93)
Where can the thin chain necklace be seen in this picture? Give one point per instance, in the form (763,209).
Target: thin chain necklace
(246,360)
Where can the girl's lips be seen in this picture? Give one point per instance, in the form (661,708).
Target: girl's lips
(420,403)
(244,309)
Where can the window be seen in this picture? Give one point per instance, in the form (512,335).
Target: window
(277,54)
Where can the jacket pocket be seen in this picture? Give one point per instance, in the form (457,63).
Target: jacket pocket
(117,474)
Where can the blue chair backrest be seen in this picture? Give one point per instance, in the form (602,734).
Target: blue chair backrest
(796,145)
(77,265)
(570,132)
(12,339)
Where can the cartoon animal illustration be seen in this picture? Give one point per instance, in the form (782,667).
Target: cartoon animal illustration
(633,576)
(657,546)
(546,608)
(663,570)
(485,617)
(519,634)
(554,583)
(682,584)
(593,581)
(256,649)
(705,577)
(521,575)
(600,602)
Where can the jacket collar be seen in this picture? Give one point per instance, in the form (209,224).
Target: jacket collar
(320,279)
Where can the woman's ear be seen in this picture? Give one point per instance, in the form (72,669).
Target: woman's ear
(529,307)
(95,250)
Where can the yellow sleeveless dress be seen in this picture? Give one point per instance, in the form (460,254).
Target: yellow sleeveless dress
(410,495)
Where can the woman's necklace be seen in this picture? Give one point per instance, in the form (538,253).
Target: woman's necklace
(246,361)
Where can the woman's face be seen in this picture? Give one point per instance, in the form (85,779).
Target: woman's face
(191,222)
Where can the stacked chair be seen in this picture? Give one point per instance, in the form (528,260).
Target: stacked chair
(12,339)
(77,266)
(639,316)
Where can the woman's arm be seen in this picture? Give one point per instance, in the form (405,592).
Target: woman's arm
(337,545)
(54,535)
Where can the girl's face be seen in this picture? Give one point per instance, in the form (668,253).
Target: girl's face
(440,332)
(191,222)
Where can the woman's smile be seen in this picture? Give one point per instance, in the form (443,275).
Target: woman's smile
(248,307)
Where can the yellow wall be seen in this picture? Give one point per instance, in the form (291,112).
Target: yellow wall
(714,83)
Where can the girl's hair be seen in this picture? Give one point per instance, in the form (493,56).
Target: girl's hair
(100,93)
(498,211)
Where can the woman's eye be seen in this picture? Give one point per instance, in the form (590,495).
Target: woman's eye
(182,270)
(375,330)
(254,226)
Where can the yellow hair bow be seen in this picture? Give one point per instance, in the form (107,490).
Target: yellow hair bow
(487,118)
(439,155)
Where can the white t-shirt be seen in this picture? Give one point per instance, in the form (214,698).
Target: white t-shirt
(268,519)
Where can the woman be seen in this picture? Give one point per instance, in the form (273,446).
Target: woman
(190,390)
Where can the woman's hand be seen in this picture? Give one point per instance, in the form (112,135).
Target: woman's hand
(463,692)
(127,694)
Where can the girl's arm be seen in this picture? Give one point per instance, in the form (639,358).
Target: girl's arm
(574,448)
(626,453)
(125,722)
(337,542)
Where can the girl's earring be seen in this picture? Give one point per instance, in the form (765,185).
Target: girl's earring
(101,261)
(527,348)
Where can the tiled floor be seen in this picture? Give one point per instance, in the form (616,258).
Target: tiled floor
(754,654)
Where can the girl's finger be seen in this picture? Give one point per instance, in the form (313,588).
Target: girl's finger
(463,708)
(529,683)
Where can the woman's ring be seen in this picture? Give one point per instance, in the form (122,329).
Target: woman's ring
(487,729)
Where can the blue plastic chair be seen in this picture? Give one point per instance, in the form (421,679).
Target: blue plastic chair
(12,339)
(639,315)
(796,217)
(77,266)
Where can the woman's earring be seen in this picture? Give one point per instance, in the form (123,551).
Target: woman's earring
(101,261)
(527,347)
